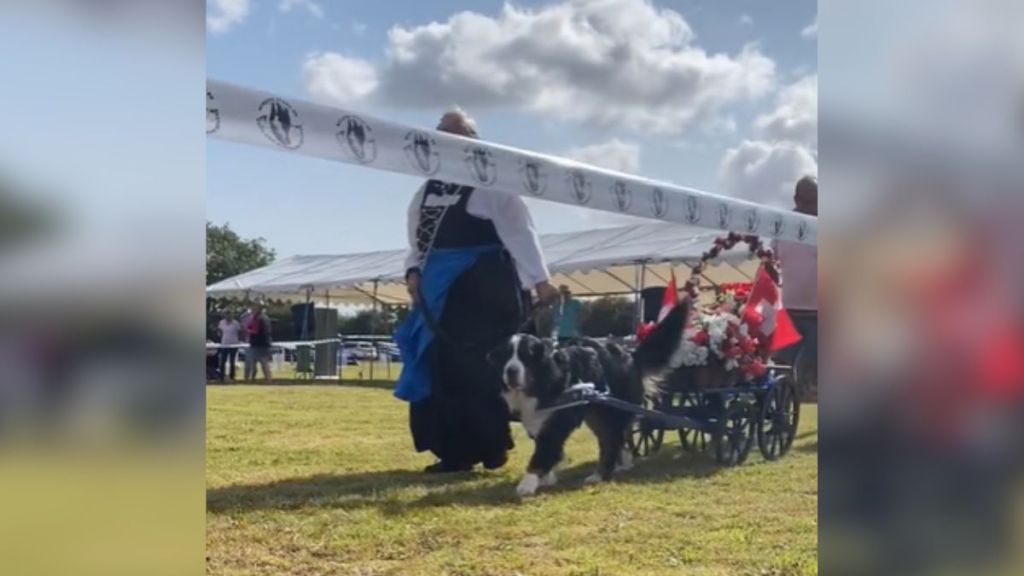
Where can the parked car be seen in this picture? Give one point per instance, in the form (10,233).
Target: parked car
(360,350)
(391,350)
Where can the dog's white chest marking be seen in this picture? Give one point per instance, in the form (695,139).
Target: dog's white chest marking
(526,407)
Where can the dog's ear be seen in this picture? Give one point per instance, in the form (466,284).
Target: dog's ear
(561,360)
(537,348)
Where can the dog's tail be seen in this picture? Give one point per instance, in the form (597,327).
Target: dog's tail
(661,352)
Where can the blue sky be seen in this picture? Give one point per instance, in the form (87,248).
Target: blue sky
(720,95)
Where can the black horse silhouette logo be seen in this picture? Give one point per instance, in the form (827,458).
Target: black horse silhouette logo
(534,179)
(752,219)
(724,216)
(801,231)
(481,165)
(421,150)
(357,136)
(580,187)
(778,225)
(278,122)
(659,202)
(212,115)
(622,195)
(692,209)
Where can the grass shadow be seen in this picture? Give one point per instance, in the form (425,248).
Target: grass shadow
(375,384)
(323,490)
(811,448)
(362,489)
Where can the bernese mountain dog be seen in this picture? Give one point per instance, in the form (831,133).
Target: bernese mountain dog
(535,373)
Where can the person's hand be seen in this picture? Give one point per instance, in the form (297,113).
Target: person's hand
(412,284)
(547,294)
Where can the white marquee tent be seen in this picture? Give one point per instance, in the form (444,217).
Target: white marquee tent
(597,262)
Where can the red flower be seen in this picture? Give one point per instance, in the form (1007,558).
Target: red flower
(700,338)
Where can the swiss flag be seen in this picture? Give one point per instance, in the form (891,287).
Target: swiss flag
(669,301)
(772,320)
(671,298)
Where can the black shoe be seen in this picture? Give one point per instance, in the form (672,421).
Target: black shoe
(442,467)
(496,462)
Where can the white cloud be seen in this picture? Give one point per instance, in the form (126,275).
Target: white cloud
(222,15)
(611,155)
(795,116)
(332,77)
(765,170)
(811,30)
(310,6)
(746,20)
(622,64)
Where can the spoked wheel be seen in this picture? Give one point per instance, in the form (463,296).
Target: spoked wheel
(780,415)
(735,435)
(644,439)
(693,405)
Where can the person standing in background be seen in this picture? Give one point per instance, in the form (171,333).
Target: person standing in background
(248,366)
(230,335)
(567,316)
(799,264)
(260,339)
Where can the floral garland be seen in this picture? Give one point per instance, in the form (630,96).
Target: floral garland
(729,330)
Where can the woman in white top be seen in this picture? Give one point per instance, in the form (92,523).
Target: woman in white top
(474,256)
(230,335)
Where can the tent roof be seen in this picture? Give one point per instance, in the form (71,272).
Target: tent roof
(592,262)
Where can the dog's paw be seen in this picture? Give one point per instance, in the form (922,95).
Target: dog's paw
(549,479)
(593,478)
(528,486)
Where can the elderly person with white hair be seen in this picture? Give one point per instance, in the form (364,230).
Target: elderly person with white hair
(474,256)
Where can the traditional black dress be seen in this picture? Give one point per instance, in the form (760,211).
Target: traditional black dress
(473,299)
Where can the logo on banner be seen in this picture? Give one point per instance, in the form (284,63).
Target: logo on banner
(579,186)
(692,209)
(421,150)
(212,115)
(622,195)
(480,162)
(659,202)
(357,136)
(278,121)
(752,218)
(801,230)
(724,216)
(534,179)
(778,225)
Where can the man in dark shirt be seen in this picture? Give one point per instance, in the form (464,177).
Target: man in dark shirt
(260,339)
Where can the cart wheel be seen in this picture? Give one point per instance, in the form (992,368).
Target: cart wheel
(644,439)
(692,405)
(780,415)
(735,437)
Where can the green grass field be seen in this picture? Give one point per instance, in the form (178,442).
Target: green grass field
(311,480)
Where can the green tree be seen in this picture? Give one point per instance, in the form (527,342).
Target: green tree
(370,322)
(227,254)
(608,316)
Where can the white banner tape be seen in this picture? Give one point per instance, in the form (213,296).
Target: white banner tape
(263,119)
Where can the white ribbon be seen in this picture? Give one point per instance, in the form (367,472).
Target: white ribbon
(263,119)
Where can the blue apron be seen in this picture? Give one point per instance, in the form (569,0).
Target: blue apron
(442,268)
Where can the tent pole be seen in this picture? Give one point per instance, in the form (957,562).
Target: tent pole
(373,327)
(637,290)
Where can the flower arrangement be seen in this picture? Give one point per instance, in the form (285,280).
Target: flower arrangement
(729,331)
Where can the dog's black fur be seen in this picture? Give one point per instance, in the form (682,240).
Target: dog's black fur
(534,374)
